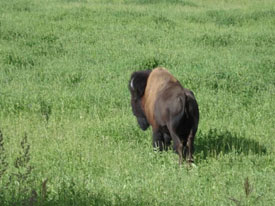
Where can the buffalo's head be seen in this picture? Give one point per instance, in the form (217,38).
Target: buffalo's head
(137,85)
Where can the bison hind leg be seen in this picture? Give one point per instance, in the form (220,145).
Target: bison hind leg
(172,126)
(190,146)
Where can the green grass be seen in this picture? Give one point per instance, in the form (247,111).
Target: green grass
(68,136)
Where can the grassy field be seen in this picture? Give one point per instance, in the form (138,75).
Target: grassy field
(68,136)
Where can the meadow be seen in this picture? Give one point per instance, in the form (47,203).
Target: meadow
(67,133)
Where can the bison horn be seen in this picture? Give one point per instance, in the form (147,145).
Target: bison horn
(132,83)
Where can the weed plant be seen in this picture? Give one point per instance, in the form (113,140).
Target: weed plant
(68,136)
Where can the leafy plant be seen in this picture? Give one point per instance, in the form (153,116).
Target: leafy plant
(3,158)
(46,110)
(248,189)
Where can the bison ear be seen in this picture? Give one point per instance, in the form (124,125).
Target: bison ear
(138,82)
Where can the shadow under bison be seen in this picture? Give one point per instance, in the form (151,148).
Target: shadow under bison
(216,142)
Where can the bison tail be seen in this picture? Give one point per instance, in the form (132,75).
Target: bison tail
(192,108)
(184,102)
(189,109)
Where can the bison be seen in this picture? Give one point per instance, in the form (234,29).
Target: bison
(158,99)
